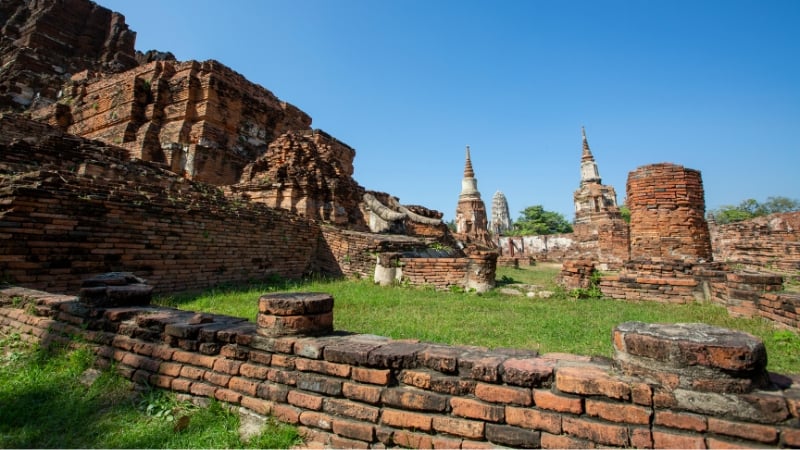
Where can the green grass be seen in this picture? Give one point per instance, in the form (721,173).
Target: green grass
(557,324)
(43,404)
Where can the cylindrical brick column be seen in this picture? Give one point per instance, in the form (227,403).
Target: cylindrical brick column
(667,205)
(308,314)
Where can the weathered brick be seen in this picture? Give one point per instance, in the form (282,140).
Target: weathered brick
(362,393)
(285,361)
(681,421)
(181,385)
(598,432)
(305,400)
(161,381)
(528,372)
(169,368)
(317,420)
(416,399)
(141,362)
(343,442)
(406,419)
(194,359)
(533,419)
(320,384)
(618,412)
(341,407)
(563,441)
(352,429)
(258,405)
(410,439)
(286,413)
(227,395)
(323,367)
(475,409)
(234,351)
(262,358)
(503,394)
(662,439)
(288,377)
(243,385)
(273,391)
(220,379)
(352,350)
(471,429)
(203,390)
(717,443)
(591,381)
(253,371)
(512,436)
(790,437)
(371,376)
(546,399)
(446,442)
(228,366)
(754,432)
(395,355)
(440,358)
(193,373)
(641,437)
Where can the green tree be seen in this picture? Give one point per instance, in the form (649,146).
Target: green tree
(751,208)
(626,213)
(534,220)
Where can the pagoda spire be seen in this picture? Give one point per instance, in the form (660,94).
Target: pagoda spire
(468,172)
(587,153)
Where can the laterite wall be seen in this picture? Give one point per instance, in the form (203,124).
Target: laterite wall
(364,391)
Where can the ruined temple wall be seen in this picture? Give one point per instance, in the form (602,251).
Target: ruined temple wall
(363,391)
(766,242)
(667,207)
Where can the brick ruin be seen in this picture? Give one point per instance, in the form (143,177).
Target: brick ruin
(668,386)
(472,223)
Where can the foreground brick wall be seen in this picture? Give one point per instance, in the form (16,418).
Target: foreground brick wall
(361,391)
(764,242)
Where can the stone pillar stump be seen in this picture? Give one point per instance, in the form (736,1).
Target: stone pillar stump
(295,314)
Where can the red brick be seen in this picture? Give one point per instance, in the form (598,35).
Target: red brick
(143,348)
(416,378)
(546,399)
(324,367)
(597,432)
(284,361)
(194,359)
(162,381)
(273,391)
(342,442)
(474,409)
(591,381)
(405,419)
(253,371)
(503,394)
(288,377)
(671,440)
(244,386)
(227,395)
(262,358)
(169,368)
(459,427)
(355,430)
(304,400)
(562,441)
(642,394)
(317,420)
(193,373)
(534,419)
(641,437)
(163,352)
(341,407)
(446,443)
(220,379)
(203,390)
(286,413)
(682,421)
(717,443)
(181,385)
(790,437)
(618,412)
(409,398)
(759,433)
(371,376)
(228,366)
(141,362)
(263,407)
(233,351)
(410,439)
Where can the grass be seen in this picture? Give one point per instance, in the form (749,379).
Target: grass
(557,324)
(45,405)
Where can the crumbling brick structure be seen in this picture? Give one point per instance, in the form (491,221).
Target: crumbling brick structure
(669,386)
(771,242)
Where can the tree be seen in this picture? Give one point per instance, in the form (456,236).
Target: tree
(625,212)
(750,208)
(536,221)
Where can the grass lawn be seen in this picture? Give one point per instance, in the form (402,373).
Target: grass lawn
(44,404)
(556,324)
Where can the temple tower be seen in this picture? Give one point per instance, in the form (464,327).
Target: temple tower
(592,197)
(471,219)
(501,220)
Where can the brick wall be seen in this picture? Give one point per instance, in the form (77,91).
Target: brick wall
(361,391)
(764,242)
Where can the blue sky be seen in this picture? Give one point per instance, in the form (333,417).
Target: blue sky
(710,85)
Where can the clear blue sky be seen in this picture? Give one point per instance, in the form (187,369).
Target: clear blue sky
(710,85)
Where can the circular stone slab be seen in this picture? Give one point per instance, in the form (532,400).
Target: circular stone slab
(295,304)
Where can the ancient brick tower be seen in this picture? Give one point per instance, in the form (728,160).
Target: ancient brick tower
(471,220)
(592,197)
(501,220)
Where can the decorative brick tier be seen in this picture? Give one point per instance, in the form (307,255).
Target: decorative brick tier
(667,207)
(362,391)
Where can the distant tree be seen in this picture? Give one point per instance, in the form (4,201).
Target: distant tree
(750,208)
(536,221)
